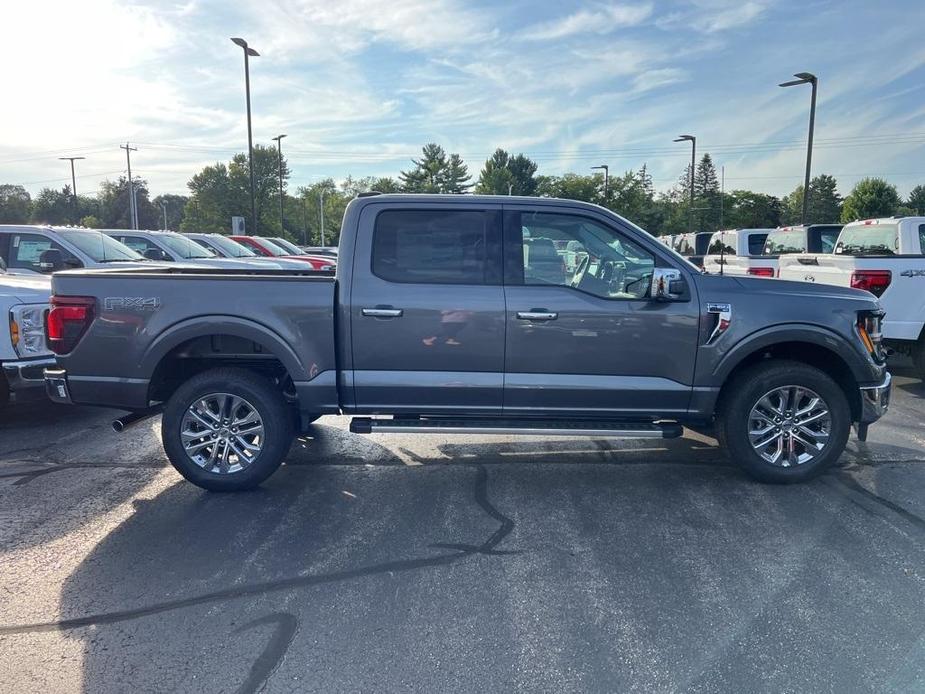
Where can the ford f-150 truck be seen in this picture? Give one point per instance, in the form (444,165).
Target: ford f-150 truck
(438,321)
(887,258)
(23,352)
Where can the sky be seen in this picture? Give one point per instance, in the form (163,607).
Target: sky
(358,86)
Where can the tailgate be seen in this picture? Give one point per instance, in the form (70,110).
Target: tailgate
(822,268)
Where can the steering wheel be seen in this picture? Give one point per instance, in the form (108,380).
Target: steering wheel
(580,271)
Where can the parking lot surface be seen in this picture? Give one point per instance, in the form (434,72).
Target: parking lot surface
(476,563)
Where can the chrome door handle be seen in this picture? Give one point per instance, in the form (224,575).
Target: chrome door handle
(382,312)
(537,315)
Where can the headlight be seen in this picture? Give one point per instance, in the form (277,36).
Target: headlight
(27,330)
(869,331)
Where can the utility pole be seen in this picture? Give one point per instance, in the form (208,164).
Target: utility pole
(693,141)
(248,52)
(73,184)
(606,177)
(133,212)
(811,79)
(279,148)
(321,208)
(164,207)
(722,193)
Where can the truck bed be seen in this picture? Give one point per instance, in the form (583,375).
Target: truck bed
(249,315)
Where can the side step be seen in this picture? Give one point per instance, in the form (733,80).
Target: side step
(532,427)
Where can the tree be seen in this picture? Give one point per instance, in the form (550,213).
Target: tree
(645,180)
(385,184)
(916,200)
(15,204)
(434,173)
(706,194)
(114,207)
(52,206)
(570,186)
(824,202)
(175,205)
(871,197)
(496,178)
(745,209)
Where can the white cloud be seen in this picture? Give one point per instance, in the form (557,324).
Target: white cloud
(601,20)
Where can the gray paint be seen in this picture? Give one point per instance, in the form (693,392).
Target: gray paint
(599,357)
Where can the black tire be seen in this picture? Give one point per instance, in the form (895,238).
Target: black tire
(258,392)
(741,395)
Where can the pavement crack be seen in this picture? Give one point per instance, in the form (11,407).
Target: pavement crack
(506,526)
(848,482)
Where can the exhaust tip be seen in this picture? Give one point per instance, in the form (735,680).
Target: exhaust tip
(118,426)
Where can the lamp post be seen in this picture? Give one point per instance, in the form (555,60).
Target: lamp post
(693,141)
(321,209)
(164,208)
(279,148)
(806,78)
(73,183)
(248,52)
(606,176)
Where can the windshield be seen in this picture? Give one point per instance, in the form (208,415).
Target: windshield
(272,247)
(229,247)
(779,242)
(722,242)
(184,247)
(287,245)
(102,248)
(868,239)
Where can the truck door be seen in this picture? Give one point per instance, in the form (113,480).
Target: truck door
(583,338)
(426,309)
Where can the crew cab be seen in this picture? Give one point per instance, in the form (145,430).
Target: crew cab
(41,250)
(440,319)
(790,240)
(23,352)
(739,252)
(693,246)
(887,258)
(266,247)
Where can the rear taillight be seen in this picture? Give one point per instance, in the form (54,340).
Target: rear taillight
(67,321)
(870,332)
(873,281)
(761,271)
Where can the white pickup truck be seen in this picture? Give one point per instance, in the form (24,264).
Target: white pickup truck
(887,258)
(739,252)
(23,353)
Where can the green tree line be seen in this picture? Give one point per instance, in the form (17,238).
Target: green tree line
(221,191)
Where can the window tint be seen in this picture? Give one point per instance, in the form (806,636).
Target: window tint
(28,252)
(576,252)
(756,243)
(722,243)
(432,246)
(782,242)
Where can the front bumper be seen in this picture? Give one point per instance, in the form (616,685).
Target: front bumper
(25,378)
(875,400)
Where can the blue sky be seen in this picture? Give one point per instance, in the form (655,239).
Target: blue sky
(358,86)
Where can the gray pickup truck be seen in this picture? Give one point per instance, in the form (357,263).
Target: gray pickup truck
(471,314)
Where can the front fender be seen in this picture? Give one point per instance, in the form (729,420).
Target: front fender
(864,370)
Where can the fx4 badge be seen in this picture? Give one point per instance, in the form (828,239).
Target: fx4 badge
(809,278)
(912,273)
(131,303)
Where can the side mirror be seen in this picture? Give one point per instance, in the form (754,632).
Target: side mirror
(155,254)
(667,284)
(51,260)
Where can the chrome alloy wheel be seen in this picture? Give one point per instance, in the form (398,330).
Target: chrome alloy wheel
(222,433)
(789,426)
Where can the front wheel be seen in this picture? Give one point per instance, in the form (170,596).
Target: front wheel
(784,421)
(227,429)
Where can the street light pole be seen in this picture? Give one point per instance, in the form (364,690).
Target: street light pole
(807,78)
(321,208)
(73,183)
(248,52)
(164,207)
(693,141)
(133,212)
(606,177)
(279,148)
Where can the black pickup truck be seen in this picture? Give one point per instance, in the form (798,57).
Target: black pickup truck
(472,314)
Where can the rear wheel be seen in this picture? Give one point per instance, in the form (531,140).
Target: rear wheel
(784,421)
(227,429)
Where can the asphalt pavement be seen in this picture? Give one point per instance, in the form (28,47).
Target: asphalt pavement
(472,563)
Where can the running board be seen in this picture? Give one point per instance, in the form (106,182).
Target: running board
(532,427)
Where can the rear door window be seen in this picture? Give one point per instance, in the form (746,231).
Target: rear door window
(756,243)
(29,252)
(869,239)
(437,247)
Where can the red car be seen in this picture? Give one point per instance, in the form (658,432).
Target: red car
(267,248)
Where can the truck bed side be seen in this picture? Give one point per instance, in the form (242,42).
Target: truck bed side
(151,330)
